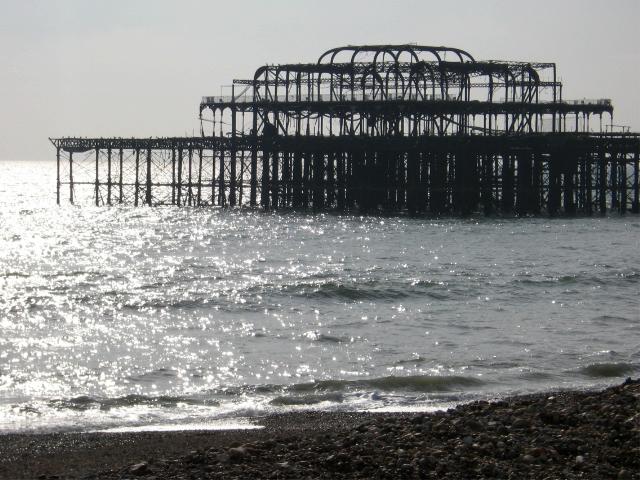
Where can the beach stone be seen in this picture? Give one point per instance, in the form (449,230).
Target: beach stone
(194,457)
(139,469)
(579,460)
(406,468)
(536,452)
(520,423)
(222,457)
(474,425)
(237,453)
(549,417)
(528,458)
(489,469)
(624,474)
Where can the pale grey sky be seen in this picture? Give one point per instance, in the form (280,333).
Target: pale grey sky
(139,67)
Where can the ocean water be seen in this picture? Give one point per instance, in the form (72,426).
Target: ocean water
(159,318)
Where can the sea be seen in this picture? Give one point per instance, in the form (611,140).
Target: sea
(167,318)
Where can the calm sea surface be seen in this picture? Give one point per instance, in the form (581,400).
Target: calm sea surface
(156,317)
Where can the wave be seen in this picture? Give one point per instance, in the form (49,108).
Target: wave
(536,376)
(226,298)
(410,361)
(223,302)
(379,290)
(620,277)
(607,370)
(370,290)
(561,280)
(316,336)
(75,273)
(632,277)
(607,319)
(301,394)
(285,401)
(154,375)
(85,402)
(14,274)
(414,383)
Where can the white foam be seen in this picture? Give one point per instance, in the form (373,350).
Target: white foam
(409,408)
(182,427)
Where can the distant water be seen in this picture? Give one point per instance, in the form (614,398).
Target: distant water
(135,317)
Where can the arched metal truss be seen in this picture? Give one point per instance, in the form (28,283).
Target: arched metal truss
(403,90)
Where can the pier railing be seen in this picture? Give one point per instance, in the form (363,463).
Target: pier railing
(362,97)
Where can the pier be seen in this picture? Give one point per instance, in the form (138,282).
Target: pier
(385,128)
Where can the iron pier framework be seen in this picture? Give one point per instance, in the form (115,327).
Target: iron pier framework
(391,128)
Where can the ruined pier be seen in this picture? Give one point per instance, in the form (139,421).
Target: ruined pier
(387,128)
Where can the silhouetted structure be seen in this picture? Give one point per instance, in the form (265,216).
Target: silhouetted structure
(394,128)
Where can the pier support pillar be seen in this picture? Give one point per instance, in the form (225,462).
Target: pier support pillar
(438,184)
(233,158)
(423,184)
(570,162)
(264,191)
(588,184)
(109,181)
(555,184)
(190,177)
(524,184)
(306,179)
(120,179)
(537,182)
(173,177)
(636,183)
(58,175)
(222,200)
(148,195)
(602,182)
(623,183)
(274,184)
(297,180)
(97,180)
(613,184)
(199,190)
(318,181)
(486,162)
(136,191)
(341,181)
(71,178)
(507,183)
(179,186)
(330,192)
(413,182)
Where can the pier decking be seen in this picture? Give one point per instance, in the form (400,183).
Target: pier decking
(376,128)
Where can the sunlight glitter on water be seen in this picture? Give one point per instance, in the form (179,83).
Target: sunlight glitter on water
(242,309)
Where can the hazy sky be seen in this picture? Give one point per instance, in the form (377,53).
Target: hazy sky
(139,67)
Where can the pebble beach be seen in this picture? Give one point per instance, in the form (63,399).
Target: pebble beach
(551,435)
